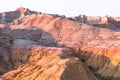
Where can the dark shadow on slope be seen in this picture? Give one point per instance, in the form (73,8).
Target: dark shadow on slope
(95,63)
(77,71)
(10,16)
(31,34)
(111,24)
(46,39)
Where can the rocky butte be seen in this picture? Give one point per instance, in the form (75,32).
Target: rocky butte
(37,46)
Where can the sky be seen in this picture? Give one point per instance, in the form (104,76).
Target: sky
(66,7)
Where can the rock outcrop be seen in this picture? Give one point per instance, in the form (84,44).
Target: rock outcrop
(55,47)
(47,63)
(91,20)
(12,15)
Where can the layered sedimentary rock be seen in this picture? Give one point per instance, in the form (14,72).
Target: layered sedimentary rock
(35,62)
(92,40)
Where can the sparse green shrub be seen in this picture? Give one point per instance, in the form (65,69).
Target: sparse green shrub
(11,40)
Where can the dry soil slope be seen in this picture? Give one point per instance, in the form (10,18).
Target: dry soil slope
(46,63)
(100,42)
(97,46)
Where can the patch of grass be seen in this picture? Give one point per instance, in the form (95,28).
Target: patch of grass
(11,40)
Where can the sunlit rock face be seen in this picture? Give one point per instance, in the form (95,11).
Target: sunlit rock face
(42,63)
(53,47)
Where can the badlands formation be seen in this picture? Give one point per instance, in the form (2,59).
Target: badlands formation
(37,46)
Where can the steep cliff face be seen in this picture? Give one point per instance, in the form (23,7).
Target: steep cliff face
(103,60)
(92,40)
(46,63)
